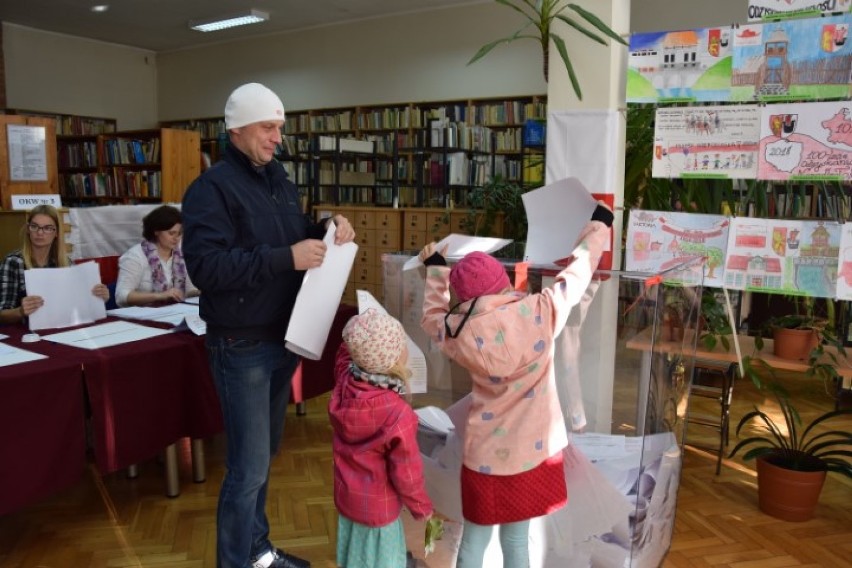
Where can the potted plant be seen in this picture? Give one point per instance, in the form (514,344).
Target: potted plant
(792,463)
(540,16)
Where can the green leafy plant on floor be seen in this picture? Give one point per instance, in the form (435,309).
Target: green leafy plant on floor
(540,17)
(797,449)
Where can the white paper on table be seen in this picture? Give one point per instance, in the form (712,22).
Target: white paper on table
(556,214)
(459,245)
(316,304)
(67,294)
(193,323)
(416,358)
(12,355)
(105,335)
(194,300)
(174,314)
(2,337)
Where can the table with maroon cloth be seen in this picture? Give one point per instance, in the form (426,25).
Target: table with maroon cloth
(143,395)
(42,430)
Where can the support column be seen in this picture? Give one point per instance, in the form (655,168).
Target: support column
(601,72)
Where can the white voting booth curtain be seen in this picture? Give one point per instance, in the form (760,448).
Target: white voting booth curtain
(106,231)
(582,144)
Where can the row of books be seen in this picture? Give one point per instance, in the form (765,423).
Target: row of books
(457,169)
(806,201)
(77,155)
(379,195)
(119,183)
(125,151)
(443,133)
(508,113)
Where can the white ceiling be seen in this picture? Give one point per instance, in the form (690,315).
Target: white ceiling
(162,25)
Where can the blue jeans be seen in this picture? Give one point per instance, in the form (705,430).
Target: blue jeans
(253,381)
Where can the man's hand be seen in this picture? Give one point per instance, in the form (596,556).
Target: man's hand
(310,252)
(344,233)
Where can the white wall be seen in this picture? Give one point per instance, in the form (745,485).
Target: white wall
(66,74)
(415,57)
(669,15)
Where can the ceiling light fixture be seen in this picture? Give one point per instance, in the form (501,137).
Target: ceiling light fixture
(100,8)
(211,25)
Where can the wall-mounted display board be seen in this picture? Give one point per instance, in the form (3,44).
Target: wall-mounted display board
(773,9)
(804,59)
(706,142)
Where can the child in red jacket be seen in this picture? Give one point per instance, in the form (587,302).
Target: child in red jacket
(377,463)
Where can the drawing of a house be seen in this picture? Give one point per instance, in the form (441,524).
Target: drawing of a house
(746,272)
(773,77)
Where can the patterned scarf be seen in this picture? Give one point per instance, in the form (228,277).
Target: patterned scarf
(394,384)
(158,275)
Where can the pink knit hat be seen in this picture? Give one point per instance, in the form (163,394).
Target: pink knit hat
(478,274)
(375,340)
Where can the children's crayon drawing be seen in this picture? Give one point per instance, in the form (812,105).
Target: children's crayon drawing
(790,257)
(706,141)
(691,65)
(659,240)
(775,9)
(805,59)
(844,275)
(806,141)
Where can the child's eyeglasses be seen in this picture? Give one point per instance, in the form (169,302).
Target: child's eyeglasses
(35,228)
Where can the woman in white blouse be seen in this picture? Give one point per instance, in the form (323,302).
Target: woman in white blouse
(154,271)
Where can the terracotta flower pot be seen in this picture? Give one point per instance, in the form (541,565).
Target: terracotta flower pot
(795,344)
(787,494)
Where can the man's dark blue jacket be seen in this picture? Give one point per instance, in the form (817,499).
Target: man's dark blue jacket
(239,221)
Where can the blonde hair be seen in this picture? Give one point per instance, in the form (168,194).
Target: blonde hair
(401,371)
(56,256)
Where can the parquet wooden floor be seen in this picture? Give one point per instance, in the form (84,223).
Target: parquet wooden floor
(115,522)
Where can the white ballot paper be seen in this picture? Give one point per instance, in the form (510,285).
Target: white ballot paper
(105,335)
(459,245)
(12,355)
(181,315)
(556,213)
(416,359)
(316,304)
(67,293)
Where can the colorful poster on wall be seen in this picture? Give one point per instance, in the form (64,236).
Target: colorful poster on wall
(806,59)
(706,142)
(776,9)
(691,65)
(844,276)
(782,256)
(806,141)
(658,240)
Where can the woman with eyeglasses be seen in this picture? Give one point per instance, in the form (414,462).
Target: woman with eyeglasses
(153,271)
(43,246)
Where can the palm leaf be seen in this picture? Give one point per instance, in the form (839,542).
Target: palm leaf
(597,22)
(485,49)
(563,52)
(591,35)
(519,10)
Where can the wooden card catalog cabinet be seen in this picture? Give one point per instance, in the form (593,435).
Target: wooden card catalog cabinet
(27,157)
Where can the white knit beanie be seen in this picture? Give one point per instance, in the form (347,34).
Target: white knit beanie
(252,103)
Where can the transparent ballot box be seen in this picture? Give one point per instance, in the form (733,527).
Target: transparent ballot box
(623,365)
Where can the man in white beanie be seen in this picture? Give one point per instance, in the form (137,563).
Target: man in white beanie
(247,244)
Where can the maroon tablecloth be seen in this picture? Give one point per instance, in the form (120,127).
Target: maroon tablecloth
(42,430)
(144,395)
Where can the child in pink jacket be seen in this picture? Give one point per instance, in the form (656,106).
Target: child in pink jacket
(515,433)
(377,463)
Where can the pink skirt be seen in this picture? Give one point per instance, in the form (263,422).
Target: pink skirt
(498,499)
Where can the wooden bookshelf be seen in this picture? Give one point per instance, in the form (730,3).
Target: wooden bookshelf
(403,149)
(134,166)
(70,124)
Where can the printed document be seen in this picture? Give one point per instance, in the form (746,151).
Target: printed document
(105,335)
(12,355)
(319,297)
(67,293)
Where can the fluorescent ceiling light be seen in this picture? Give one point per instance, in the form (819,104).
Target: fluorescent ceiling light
(251,17)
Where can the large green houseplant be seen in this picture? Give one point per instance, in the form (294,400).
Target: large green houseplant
(792,463)
(540,17)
